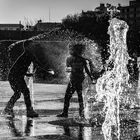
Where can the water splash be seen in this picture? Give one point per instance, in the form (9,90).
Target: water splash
(29,82)
(138,87)
(56,37)
(112,84)
(89,91)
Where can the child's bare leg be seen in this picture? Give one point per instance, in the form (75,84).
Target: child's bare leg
(9,107)
(26,93)
(68,95)
(13,100)
(81,104)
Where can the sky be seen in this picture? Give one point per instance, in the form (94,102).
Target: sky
(13,11)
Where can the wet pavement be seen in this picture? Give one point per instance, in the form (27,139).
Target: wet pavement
(48,102)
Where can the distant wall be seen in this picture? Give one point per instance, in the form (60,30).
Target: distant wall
(17,35)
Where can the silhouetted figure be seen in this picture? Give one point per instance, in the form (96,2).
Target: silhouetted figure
(76,65)
(17,82)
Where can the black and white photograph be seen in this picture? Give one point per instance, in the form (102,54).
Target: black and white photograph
(69,69)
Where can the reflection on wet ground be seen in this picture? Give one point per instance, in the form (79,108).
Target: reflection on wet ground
(45,126)
(16,132)
(49,127)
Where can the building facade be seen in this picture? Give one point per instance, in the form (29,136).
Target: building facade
(131,13)
(46,26)
(101,9)
(11,27)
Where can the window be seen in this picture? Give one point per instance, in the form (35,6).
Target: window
(137,15)
(131,9)
(125,10)
(10,28)
(131,15)
(138,9)
(5,28)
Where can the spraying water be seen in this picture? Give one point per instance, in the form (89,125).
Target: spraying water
(138,88)
(111,85)
(29,81)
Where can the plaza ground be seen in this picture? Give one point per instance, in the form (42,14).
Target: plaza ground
(48,102)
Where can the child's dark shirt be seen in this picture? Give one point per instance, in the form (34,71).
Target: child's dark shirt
(77,65)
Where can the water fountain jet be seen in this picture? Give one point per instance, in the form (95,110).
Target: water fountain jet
(111,85)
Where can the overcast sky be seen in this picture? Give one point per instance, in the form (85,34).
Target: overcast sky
(13,11)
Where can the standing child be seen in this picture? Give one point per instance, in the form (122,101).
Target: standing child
(76,65)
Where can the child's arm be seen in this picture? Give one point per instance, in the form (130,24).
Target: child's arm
(90,75)
(68,65)
(88,72)
(37,64)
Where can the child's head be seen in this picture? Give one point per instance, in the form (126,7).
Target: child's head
(76,48)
